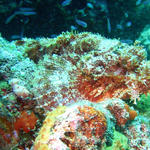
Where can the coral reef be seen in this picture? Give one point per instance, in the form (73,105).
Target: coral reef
(75,87)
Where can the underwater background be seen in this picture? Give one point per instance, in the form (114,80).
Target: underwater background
(74,75)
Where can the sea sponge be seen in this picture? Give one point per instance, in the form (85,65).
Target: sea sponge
(21,91)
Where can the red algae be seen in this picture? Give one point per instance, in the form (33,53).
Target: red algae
(25,122)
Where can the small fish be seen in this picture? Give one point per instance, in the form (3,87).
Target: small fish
(81,23)
(129,24)
(25,13)
(28,1)
(15,37)
(66,3)
(108,25)
(89,5)
(138,2)
(127,41)
(11,17)
(53,35)
(26,9)
(73,27)
(119,26)
(146,2)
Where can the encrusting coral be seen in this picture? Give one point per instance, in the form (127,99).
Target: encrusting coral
(43,137)
(79,127)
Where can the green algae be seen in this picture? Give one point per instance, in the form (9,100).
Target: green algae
(120,142)
(143,105)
